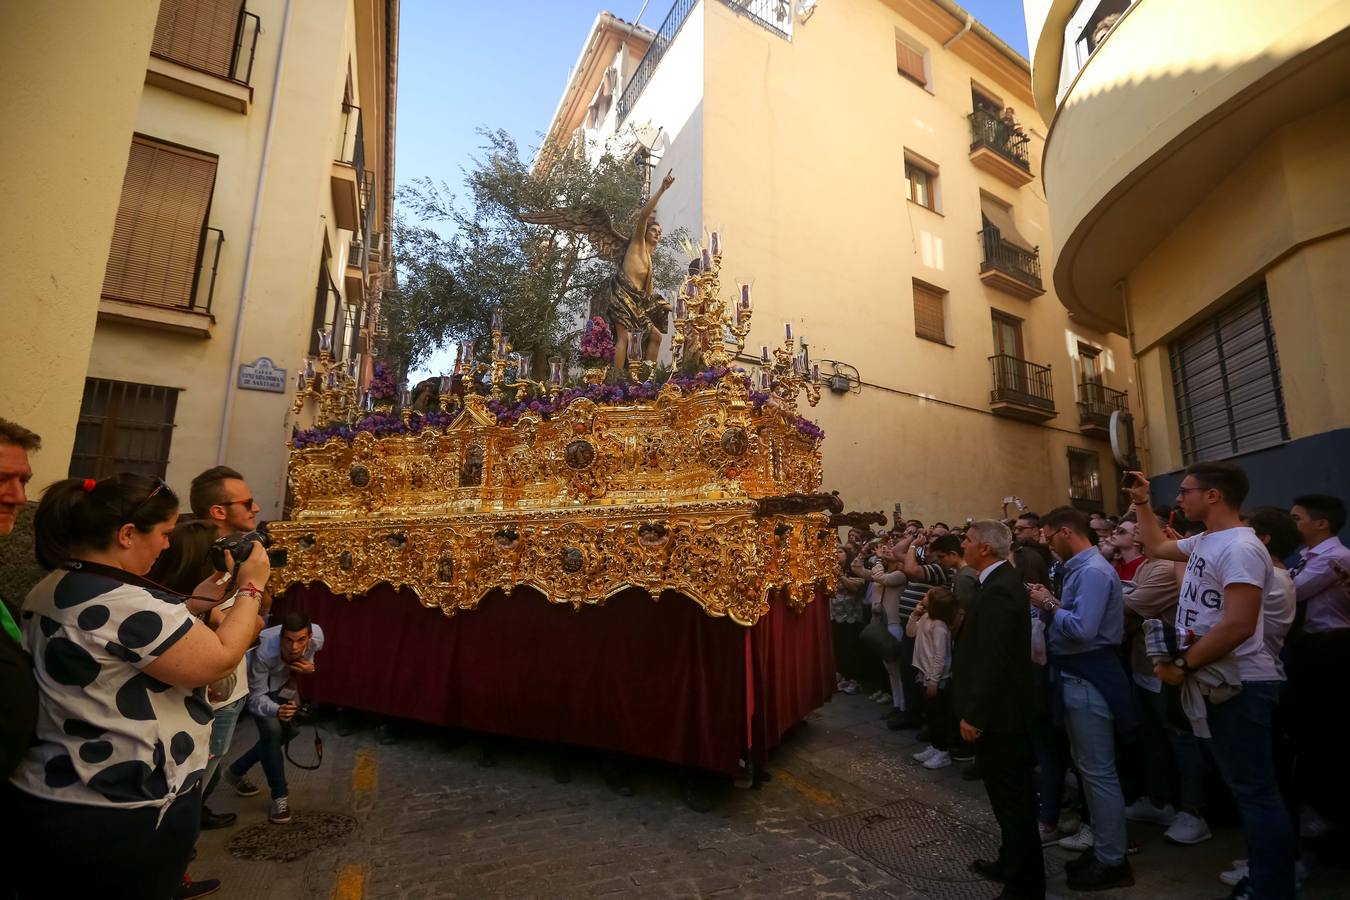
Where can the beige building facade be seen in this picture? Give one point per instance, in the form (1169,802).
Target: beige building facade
(1199,194)
(872,168)
(243,187)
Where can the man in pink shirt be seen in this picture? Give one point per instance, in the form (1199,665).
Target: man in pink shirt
(1319,660)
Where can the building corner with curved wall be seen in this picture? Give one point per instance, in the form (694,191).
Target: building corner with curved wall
(1195,168)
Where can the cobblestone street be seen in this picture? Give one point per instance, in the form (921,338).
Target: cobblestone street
(431,821)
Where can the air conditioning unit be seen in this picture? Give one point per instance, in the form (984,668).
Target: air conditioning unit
(377,244)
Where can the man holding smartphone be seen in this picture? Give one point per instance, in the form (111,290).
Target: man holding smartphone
(283,652)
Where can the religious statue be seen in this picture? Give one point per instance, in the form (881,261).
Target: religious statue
(628,301)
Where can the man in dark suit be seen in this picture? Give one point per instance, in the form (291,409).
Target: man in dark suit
(992,680)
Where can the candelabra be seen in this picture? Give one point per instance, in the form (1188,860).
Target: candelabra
(790,372)
(329,382)
(702,321)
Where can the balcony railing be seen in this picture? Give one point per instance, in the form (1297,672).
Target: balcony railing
(352,150)
(1021,382)
(1019,263)
(665,36)
(202,35)
(1001,136)
(775,15)
(1096,402)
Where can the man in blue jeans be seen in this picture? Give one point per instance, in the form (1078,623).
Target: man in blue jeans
(1219,620)
(283,651)
(1084,630)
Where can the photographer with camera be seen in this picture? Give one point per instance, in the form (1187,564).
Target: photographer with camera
(221,500)
(283,652)
(108,789)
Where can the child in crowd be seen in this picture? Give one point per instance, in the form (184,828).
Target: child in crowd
(931,627)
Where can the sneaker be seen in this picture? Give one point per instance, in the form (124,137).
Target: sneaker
(922,755)
(1311,824)
(850,687)
(885,699)
(963,754)
(1143,810)
(1188,829)
(214,820)
(1243,890)
(281,811)
(242,786)
(876,696)
(939,760)
(1049,834)
(1080,841)
(190,889)
(1236,874)
(1096,876)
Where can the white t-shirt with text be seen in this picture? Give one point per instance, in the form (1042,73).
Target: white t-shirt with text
(1215,560)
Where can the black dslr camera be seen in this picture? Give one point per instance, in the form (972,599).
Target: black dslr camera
(237,545)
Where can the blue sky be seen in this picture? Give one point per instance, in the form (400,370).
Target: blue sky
(465,64)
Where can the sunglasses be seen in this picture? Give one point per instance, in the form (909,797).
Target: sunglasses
(247,501)
(159,486)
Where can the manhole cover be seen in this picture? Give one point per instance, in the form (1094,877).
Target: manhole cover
(286,843)
(922,846)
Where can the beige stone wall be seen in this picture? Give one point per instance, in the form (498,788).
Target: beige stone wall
(803,170)
(76,99)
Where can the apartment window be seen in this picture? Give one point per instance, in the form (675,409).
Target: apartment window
(1226,377)
(328,312)
(1084,31)
(201,34)
(985,102)
(930,312)
(1007,336)
(921,182)
(1085,480)
(161,224)
(1090,364)
(123,427)
(911,59)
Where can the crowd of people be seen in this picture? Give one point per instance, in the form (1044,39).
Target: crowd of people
(1173,666)
(124,674)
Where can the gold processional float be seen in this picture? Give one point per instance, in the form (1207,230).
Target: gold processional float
(705,484)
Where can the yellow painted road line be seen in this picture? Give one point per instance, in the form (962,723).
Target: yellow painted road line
(810,792)
(364,772)
(351,882)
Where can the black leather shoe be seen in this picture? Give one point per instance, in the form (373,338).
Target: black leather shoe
(1084,859)
(212,820)
(1098,877)
(987,869)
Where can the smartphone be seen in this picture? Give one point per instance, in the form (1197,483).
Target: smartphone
(1129,480)
(1172,520)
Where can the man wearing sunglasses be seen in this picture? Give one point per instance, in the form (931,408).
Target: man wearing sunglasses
(220,496)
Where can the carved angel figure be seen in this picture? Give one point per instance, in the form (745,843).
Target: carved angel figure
(628,301)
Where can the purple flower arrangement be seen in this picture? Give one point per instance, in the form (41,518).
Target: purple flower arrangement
(510,412)
(597,344)
(382,386)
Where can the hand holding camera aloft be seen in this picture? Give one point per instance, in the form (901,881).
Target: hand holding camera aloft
(1136,485)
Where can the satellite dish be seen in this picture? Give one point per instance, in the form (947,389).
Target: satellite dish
(648,136)
(805,8)
(1121,431)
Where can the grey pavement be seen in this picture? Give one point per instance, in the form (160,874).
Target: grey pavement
(431,821)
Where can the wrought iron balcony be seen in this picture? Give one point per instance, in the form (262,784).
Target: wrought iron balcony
(1096,402)
(1003,137)
(1022,389)
(1008,267)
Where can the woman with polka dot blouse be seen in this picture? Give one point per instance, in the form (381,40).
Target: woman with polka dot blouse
(110,790)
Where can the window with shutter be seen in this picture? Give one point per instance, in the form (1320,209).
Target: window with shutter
(1226,378)
(909,62)
(920,183)
(1085,479)
(123,427)
(157,239)
(201,34)
(930,317)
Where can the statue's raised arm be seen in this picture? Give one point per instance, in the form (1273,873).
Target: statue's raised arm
(628,301)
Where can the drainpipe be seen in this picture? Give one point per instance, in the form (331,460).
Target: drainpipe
(1146,445)
(230,379)
(970,22)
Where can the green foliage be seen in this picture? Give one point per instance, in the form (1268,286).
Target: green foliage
(456,261)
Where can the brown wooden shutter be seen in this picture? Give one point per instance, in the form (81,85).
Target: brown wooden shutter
(909,62)
(198,33)
(930,320)
(157,239)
